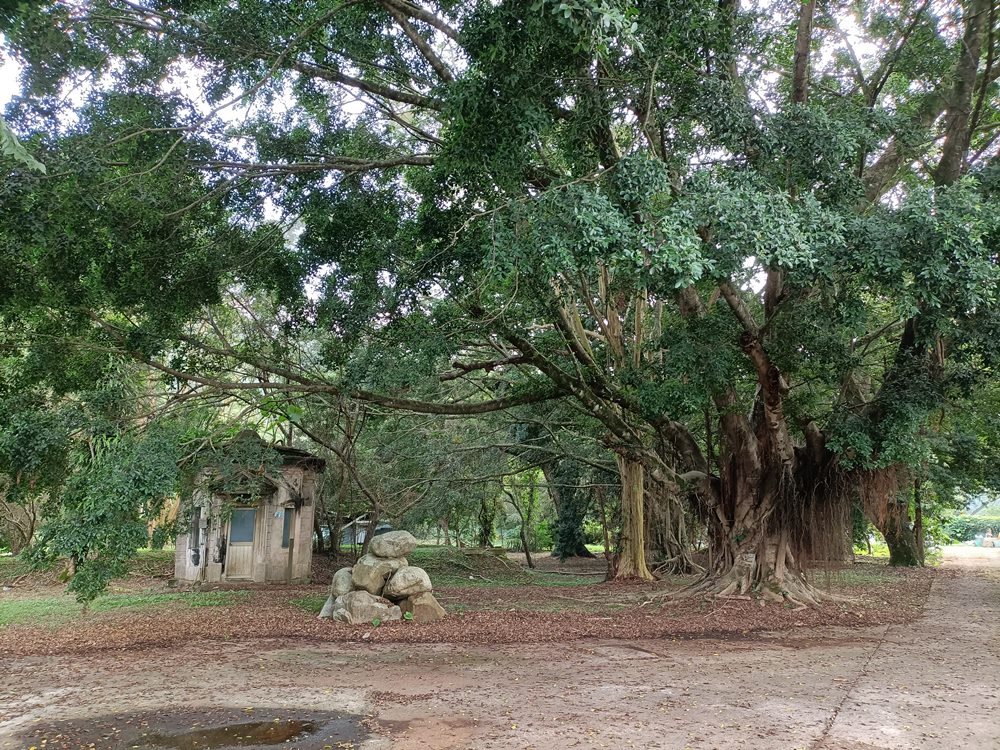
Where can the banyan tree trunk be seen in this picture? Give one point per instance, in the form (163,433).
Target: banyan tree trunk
(895,527)
(888,509)
(758,556)
(667,538)
(767,514)
(630,561)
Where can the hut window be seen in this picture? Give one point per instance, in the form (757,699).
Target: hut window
(286,528)
(241,525)
(195,539)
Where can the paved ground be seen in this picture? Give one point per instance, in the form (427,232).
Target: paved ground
(932,684)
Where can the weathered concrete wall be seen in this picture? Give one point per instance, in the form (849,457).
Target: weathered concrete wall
(272,563)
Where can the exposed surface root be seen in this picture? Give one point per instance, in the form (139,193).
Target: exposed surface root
(678,565)
(792,589)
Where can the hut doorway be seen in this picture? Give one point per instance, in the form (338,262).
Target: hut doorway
(240,549)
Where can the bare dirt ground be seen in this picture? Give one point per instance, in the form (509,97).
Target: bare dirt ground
(933,682)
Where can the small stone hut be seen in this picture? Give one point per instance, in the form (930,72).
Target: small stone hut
(256,527)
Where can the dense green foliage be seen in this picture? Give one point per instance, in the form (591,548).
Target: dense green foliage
(752,251)
(963,528)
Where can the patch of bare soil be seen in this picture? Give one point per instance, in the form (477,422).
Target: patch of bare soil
(199,729)
(515,614)
(917,685)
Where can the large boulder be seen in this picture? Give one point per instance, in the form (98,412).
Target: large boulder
(369,573)
(393,544)
(360,607)
(424,607)
(405,582)
(342,583)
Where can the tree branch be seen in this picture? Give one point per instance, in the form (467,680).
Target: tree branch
(419,42)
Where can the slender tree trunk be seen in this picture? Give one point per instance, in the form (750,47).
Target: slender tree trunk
(318,530)
(525,516)
(630,560)
(526,547)
(918,515)
(373,523)
(447,535)
(604,521)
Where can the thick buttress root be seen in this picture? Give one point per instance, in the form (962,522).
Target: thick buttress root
(741,581)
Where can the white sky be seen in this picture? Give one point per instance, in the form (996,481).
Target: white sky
(8,75)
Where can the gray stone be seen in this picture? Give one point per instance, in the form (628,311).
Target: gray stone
(408,581)
(369,573)
(360,607)
(341,582)
(425,607)
(393,544)
(328,608)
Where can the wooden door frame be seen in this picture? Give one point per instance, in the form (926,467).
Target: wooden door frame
(253,542)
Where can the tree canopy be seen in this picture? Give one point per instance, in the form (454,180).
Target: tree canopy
(755,249)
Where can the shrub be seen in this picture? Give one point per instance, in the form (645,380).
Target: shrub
(963,528)
(542,537)
(593,532)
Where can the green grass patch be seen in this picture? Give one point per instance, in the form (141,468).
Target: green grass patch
(55,610)
(540,578)
(879,549)
(156,563)
(311,603)
(448,566)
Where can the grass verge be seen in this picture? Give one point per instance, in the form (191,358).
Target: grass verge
(55,610)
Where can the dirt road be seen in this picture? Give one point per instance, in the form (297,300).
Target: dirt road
(932,684)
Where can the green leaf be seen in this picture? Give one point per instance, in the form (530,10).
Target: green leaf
(12,147)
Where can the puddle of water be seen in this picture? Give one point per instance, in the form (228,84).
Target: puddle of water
(200,728)
(236,735)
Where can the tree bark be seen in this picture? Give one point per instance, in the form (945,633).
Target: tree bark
(918,515)
(374,519)
(446,527)
(630,560)
(525,514)
(895,527)
(666,531)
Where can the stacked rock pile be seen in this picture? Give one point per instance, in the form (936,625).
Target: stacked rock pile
(383,586)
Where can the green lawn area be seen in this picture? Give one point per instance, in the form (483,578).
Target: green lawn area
(448,567)
(311,603)
(58,610)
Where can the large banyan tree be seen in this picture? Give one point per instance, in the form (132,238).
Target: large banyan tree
(757,245)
